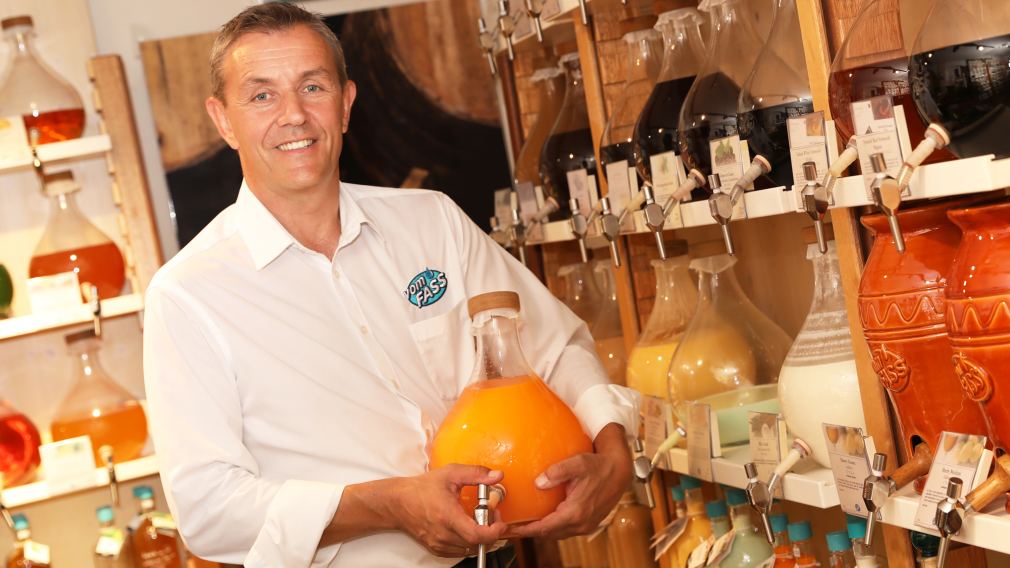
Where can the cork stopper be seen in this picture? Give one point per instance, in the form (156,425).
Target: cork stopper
(16,21)
(705,249)
(810,236)
(492,300)
(637,24)
(60,183)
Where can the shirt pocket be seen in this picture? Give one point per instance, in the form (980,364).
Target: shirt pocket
(446,348)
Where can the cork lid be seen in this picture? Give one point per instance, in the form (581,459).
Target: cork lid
(637,24)
(810,235)
(16,21)
(504,299)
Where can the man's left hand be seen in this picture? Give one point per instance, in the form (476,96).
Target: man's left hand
(595,482)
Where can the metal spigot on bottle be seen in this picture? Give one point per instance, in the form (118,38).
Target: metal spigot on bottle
(488,498)
(722,201)
(580,227)
(533,9)
(643,471)
(760,499)
(507,26)
(655,218)
(948,518)
(886,195)
(487,43)
(815,203)
(610,228)
(877,488)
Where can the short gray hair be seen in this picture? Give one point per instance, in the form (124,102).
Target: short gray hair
(266,18)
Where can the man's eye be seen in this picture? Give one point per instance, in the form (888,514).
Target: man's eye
(260,97)
(313,89)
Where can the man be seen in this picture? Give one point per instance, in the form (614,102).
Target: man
(292,382)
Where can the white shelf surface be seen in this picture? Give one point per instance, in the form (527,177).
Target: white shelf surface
(989,530)
(810,485)
(56,152)
(35,323)
(39,491)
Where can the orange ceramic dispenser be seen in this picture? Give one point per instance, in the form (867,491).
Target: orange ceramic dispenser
(508,419)
(901,306)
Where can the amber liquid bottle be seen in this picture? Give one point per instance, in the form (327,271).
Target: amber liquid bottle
(153,536)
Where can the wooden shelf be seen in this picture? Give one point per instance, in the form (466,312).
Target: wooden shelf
(36,323)
(56,152)
(987,530)
(39,491)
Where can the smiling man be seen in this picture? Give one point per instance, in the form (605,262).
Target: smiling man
(300,352)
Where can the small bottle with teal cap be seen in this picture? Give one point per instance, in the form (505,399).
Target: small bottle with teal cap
(749,547)
(677,495)
(698,527)
(718,514)
(856,527)
(110,548)
(152,534)
(928,547)
(783,547)
(26,551)
(803,549)
(840,550)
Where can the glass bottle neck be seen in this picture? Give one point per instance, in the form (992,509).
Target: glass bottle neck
(499,354)
(782,544)
(828,293)
(741,518)
(803,551)
(720,526)
(146,506)
(713,286)
(87,361)
(63,203)
(21,43)
(642,60)
(694,500)
(683,49)
(23,535)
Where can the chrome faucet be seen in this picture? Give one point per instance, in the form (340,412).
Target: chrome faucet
(610,227)
(877,488)
(643,471)
(887,197)
(760,498)
(533,9)
(722,202)
(815,203)
(580,227)
(948,518)
(507,26)
(487,44)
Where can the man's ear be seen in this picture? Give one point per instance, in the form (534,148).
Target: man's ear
(216,110)
(350,92)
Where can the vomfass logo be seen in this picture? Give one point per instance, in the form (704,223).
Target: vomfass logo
(426,288)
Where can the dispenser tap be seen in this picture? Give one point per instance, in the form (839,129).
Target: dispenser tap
(110,467)
(948,519)
(798,451)
(722,202)
(517,235)
(654,219)
(610,226)
(877,488)
(507,26)
(887,197)
(643,471)
(486,38)
(676,436)
(695,179)
(838,167)
(997,484)
(488,498)
(90,293)
(815,203)
(580,227)
(584,12)
(936,138)
(534,8)
(760,498)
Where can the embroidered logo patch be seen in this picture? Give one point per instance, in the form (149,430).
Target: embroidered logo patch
(426,288)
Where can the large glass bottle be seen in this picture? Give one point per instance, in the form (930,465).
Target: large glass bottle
(569,147)
(645,52)
(19,446)
(27,553)
(550,84)
(676,299)
(490,423)
(960,73)
(656,138)
(96,406)
(749,547)
(112,548)
(153,534)
(698,526)
(582,291)
(710,109)
(821,364)
(776,91)
(606,327)
(730,355)
(72,243)
(51,108)
(873,64)
(628,535)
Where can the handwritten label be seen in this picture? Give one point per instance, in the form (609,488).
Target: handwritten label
(768,443)
(850,465)
(808,142)
(658,425)
(69,464)
(959,455)
(702,440)
(876,133)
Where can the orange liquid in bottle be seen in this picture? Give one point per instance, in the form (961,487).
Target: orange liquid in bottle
(55,126)
(101,265)
(125,429)
(19,448)
(784,557)
(517,426)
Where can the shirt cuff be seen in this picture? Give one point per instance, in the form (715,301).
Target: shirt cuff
(600,405)
(296,519)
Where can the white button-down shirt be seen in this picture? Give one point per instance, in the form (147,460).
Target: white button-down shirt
(276,376)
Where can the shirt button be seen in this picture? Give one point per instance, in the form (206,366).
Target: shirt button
(336,275)
(364,330)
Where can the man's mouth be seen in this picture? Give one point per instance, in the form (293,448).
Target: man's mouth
(296,145)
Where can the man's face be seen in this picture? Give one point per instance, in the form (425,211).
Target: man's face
(283,110)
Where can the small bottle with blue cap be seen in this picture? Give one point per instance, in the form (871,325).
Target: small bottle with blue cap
(718,515)
(803,549)
(110,549)
(749,547)
(840,550)
(152,534)
(26,551)
(677,494)
(856,527)
(698,527)
(928,547)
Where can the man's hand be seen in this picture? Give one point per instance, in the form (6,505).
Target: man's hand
(595,482)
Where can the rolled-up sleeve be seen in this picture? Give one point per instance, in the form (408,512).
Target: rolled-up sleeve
(225,511)
(556,342)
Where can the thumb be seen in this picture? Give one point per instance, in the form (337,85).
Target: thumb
(458,474)
(559,473)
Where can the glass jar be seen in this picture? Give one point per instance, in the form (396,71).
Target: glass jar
(526,180)
(710,109)
(72,243)
(628,535)
(582,291)
(676,299)
(749,547)
(490,423)
(97,407)
(730,355)
(960,70)
(656,139)
(821,365)
(19,446)
(51,108)
(606,327)
(873,64)
(569,147)
(776,91)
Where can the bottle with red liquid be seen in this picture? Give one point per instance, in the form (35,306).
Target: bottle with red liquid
(51,108)
(803,549)
(72,243)
(783,547)
(19,446)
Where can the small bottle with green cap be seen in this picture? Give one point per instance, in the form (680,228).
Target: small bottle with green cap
(840,550)
(803,549)
(110,549)
(677,494)
(27,553)
(718,515)
(856,527)
(928,547)
(749,547)
(152,534)
(783,547)
(698,527)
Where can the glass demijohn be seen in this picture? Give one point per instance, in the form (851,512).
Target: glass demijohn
(550,83)
(606,327)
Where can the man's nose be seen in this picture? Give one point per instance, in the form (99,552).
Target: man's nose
(292,111)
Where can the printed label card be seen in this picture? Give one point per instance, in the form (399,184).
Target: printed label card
(850,465)
(959,455)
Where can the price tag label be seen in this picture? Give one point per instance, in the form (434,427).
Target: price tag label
(729,157)
(54,293)
(658,424)
(14,146)
(808,142)
(163,521)
(849,450)
(69,464)
(503,206)
(582,186)
(768,443)
(959,455)
(876,132)
(36,553)
(110,542)
(702,440)
(623,185)
(721,548)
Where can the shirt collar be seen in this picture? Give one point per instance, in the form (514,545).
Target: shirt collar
(266,238)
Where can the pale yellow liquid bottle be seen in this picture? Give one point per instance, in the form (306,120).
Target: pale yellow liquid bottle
(698,528)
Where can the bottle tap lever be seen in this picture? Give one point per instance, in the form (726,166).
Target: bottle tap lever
(676,436)
(634,205)
(887,197)
(815,203)
(643,471)
(838,167)
(759,166)
(936,137)
(517,234)
(610,227)
(720,204)
(507,26)
(110,467)
(695,179)
(533,9)
(760,498)
(997,484)
(948,518)
(799,450)
(876,489)
(654,219)
(487,41)
(580,227)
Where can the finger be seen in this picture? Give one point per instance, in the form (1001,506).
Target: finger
(470,533)
(562,472)
(459,474)
(558,524)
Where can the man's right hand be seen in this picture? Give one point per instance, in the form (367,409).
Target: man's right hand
(427,508)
